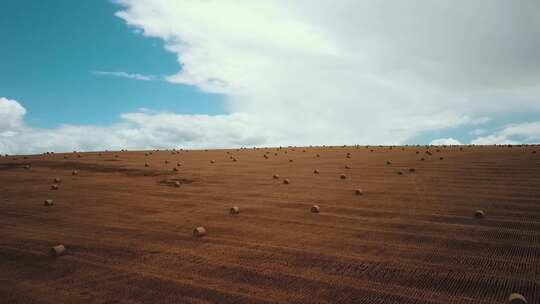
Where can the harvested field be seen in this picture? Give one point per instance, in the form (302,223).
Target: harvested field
(409,238)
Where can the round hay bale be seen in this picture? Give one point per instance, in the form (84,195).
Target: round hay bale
(315,209)
(212,161)
(318,155)
(177,184)
(290,160)
(48,202)
(74,172)
(359,191)
(234,210)
(57,250)
(316,171)
(412,170)
(286,181)
(79,156)
(54,187)
(199,232)
(166,161)
(175,169)
(265,156)
(178,164)
(517,298)
(146,164)
(479,213)
(422,159)
(417,152)
(388,162)
(57,180)
(347,167)
(399,173)
(441,158)
(276,176)
(343,176)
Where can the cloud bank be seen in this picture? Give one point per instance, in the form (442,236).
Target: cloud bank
(361,71)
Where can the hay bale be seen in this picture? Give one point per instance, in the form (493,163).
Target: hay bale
(343,176)
(359,191)
(48,202)
(27,167)
(399,173)
(146,164)
(318,155)
(441,158)
(234,210)
(315,209)
(388,162)
(54,187)
(286,181)
(166,161)
(74,172)
(479,213)
(422,159)
(276,176)
(212,161)
(412,170)
(516,298)
(199,232)
(316,171)
(175,169)
(290,160)
(57,180)
(177,184)
(179,164)
(57,250)
(347,167)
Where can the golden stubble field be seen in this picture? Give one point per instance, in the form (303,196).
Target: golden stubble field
(409,235)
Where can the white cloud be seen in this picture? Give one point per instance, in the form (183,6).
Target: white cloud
(358,72)
(126,75)
(445,141)
(139,130)
(528,132)
(11,115)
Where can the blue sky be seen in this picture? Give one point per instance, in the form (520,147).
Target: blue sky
(143,74)
(51,48)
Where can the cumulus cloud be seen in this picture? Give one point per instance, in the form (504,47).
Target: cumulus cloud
(126,75)
(11,115)
(445,141)
(362,71)
(528,132)
(138,130)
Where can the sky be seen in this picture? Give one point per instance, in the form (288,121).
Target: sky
(144,74)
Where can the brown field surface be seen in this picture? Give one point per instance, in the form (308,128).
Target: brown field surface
(410,238)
